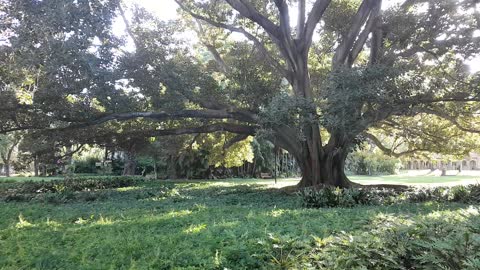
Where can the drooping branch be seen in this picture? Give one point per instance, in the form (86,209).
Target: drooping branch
(13,129)
(286,138)
(389,151)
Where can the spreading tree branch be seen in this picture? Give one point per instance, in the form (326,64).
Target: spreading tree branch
(258,44)
(219,127)
(248,11)
(387,150)
(448,117)
(160,116)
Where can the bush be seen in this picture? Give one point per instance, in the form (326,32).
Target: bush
(86,166)
(447,242)
(371,163)
(63,190)
(349,197)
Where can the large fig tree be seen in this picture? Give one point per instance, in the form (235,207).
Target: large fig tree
(314,77)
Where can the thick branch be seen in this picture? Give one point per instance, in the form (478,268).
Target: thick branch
(258,44)
(248,11)
(220,127)
(362,38)
(159,116)
(313,18)
(301,19)
(284,18)
(71,153)
(358,21)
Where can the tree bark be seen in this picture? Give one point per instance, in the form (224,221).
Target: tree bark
(130,163)
(7,169)
(35,165)
(327,169)
(155,169)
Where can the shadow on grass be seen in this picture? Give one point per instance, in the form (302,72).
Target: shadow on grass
(166,225)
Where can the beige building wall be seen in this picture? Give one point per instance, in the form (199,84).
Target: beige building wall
(471,162)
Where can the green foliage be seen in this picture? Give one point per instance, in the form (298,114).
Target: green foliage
(217,225)
(264,154)
(432,242)
(371,163)
(288,110)
(86,165)
(63,190)
(350,197)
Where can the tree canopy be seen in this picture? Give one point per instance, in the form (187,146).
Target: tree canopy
(316,85)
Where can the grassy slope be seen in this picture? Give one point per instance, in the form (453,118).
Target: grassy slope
(176,225)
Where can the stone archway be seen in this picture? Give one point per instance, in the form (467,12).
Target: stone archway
(415,165)
(473,164)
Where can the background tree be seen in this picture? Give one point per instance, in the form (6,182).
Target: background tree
(8,144)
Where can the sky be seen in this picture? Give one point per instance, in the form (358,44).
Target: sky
(167,10)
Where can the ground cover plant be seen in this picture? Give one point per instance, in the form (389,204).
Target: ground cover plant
(336,197)
(215,225)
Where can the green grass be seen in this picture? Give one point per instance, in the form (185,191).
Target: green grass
(201,225)
(381,179)
(416,180)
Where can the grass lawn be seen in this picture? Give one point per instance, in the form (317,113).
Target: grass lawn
(200,225)
(410,178)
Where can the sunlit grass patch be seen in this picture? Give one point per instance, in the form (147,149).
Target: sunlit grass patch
(207,225)
(192,229)
(129,188)
(22,223)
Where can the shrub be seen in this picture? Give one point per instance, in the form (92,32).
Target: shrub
(62,190)
(86,165)
(451,242)
(349,197)
(371,163)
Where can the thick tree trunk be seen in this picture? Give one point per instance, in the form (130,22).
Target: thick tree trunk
(331,170)
(35,165)
(130,163)
(7,169)
(155,169)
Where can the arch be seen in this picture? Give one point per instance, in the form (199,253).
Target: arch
(415,165)
(473,164)
(464,163)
